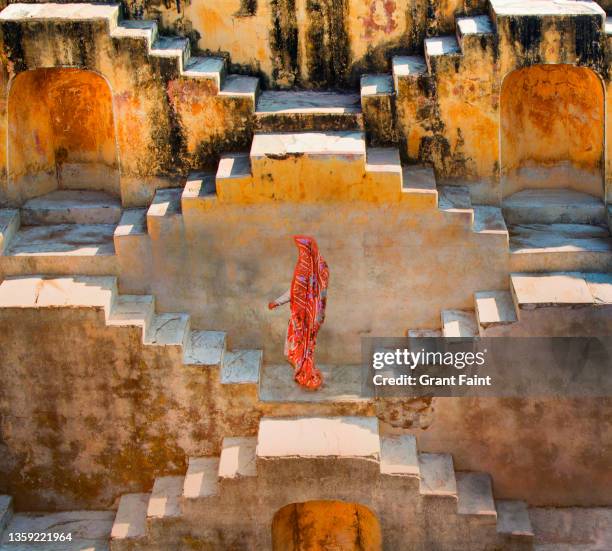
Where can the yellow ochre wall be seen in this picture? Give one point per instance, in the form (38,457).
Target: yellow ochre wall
(325,526)
(61,131)
(552,129)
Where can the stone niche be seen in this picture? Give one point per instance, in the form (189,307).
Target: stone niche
(61,133)
(552,129)
(324,525)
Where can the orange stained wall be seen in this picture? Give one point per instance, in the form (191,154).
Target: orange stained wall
(325,526)
(57,116)
(552,129)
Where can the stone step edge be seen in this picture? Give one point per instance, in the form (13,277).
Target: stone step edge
(131,518)
(109,299)
(10,222)
(119,28)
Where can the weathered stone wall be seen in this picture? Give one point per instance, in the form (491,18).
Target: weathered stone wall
(311,43)
(552,129)
(314,525)
(451,116)
(546,451)
(109,415)
(61,132)
(223,265)
(165,124)
(89,413)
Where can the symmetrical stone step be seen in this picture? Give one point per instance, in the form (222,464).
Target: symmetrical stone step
(133,249)
(439,46)
(164,499)
(168,329)
(407,67)
(475,495)
(240,86)
(437,475)
(53,292)
(375,85)
(553,206)
(316,144)
(9,225)
(71,207)
(136,29)
(297,437)
(86,530)
(135,310)
(459,323)
(202,478)
(166,203)
(6,511)
(513,518)
(63,240)
(248,464)
(494,309)
(384,167)
(205,348)
(490,221)
(130,521)
(472,30)
(533,291)
(170,49)
(342,384)
(419,186)
(241,367)
(238,458)
(308,166)
(550,8)
(379,109)
(63,13)
(554,247)
(454,199)
(233,175)
(399,456)
(304,110)
(212,68)
(583,301)
(200,349)
(562,303)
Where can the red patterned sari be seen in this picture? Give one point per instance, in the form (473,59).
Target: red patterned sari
(308,300)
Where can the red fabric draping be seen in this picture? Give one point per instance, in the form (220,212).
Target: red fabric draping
(308,301)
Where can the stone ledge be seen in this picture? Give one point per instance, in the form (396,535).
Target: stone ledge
(348,437)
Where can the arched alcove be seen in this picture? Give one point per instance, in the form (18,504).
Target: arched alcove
(552,129)
(61,133)
(326,526)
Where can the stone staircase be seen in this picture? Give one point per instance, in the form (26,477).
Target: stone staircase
(557,229)
(537,304)
(308,111)
(255,477)
(202,349)
(61,228)
(74,530)
(174,51)
(91,530)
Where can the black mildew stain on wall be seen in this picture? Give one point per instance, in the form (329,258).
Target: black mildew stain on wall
(588,40)
(527,32)
(247,8)
(284,42)
(13,45)
(328,42)
(82,37)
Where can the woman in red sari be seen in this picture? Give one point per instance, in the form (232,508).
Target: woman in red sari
(307,297)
